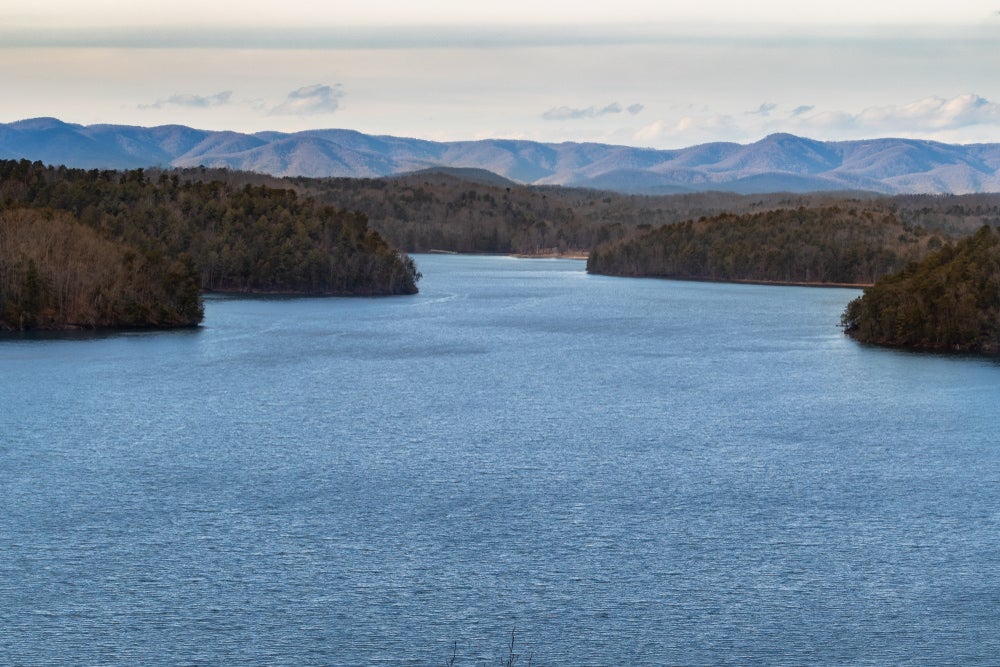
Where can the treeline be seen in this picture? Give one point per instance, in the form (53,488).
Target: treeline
(428,212)
(463,213)
(249,238)
(950,300)
(55,272)
(830,245)
(468,210)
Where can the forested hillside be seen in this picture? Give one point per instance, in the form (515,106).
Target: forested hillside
(829,245)
(441,211)
(948,301)
(257,233)
(476,211)
(56,272)
(435,211)
(253,238)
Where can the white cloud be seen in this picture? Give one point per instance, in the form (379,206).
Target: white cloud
(764,109)
(191,101)
(569,113)
(961,119)
(934,113)
(925,116)
(690,129)
(651,133)
(310,101)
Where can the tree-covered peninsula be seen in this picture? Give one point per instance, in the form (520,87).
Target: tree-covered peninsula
(222,236)
(828,245)
(950,300)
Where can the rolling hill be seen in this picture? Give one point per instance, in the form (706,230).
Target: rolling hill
(777,163)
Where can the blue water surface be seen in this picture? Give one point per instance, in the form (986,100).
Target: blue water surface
(624,472)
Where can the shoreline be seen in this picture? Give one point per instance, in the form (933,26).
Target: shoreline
(737,281)
(569,255)
(577,254)
(585,256)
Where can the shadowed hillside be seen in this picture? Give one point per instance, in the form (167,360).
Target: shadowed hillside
(150,239)
(434,210)
(948,301)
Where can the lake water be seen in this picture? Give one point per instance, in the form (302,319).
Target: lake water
(625,472)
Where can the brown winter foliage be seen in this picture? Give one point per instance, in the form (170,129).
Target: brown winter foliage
(218,235)
(462,213)
(56,273)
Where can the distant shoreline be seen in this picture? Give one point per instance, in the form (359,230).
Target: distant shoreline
(735,281)
(549,255)
(517,255)
(798,283)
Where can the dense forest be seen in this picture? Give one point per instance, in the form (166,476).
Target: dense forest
(829,245)
(469,210)
(950,300)
(224,237)
(440,211)
(244,232)
(462,211)
(56,272)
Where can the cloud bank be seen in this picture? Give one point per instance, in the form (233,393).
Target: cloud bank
(934,113)
(924,117)
(960,117)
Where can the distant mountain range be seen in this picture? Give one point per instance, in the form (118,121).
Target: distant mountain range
(777,163)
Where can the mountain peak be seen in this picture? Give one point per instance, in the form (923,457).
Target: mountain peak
(41,123)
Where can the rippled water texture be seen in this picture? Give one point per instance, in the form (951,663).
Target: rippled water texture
(627,472)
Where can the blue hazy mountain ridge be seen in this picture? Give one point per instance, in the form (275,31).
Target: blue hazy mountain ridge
(779,162)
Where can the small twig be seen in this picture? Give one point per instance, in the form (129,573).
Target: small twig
(511,657)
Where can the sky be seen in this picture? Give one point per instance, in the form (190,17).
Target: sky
(660,74)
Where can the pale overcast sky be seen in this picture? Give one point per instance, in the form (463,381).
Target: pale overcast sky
(635,72)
